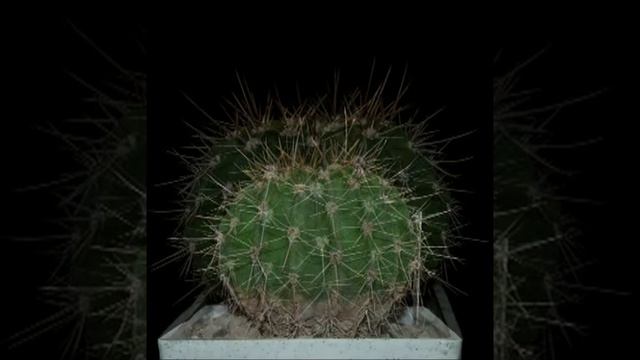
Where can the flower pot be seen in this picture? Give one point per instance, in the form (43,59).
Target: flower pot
(437,338)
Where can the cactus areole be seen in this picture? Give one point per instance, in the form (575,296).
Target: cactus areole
(318,227)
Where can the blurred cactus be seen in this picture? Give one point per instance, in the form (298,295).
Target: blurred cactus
(533,233)
(99,286)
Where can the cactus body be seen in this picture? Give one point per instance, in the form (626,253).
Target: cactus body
(305,238)
(317,223)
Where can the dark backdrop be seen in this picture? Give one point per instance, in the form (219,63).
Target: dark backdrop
(445,69)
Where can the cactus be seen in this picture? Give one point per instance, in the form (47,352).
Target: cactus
(317,222)
(533,234)
(100,284)
(301,241)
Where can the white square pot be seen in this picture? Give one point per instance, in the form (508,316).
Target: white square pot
(174,344)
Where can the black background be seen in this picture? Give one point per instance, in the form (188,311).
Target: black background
(448,66)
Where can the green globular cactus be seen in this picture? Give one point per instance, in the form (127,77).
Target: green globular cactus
(317,222)
(330,243)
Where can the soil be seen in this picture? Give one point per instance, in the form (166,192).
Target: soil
(216,322)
